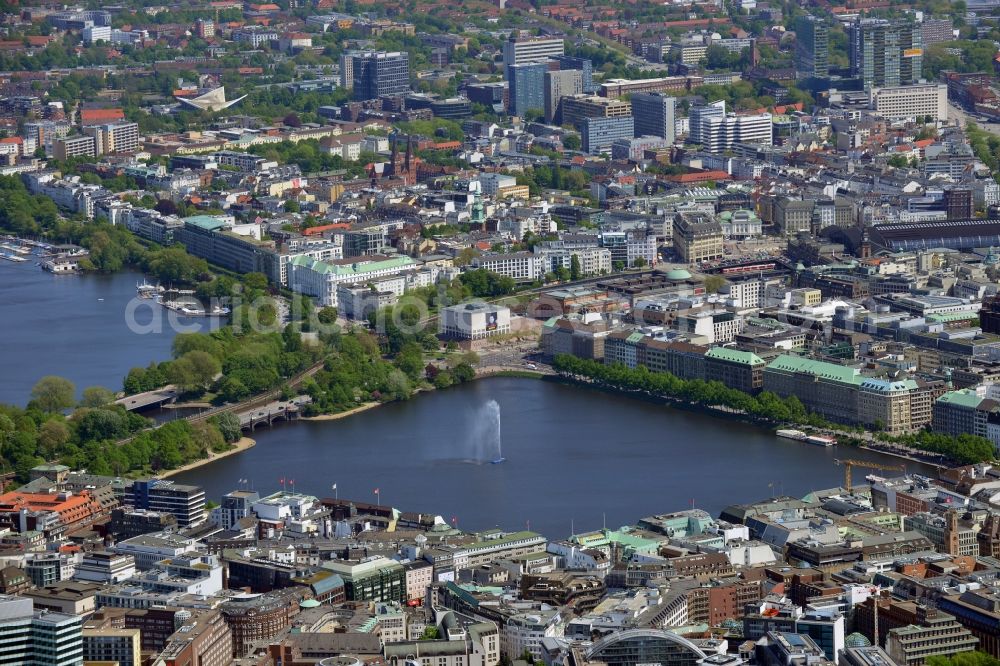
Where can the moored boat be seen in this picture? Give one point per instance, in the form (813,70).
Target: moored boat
(146,290)
(800,436)
(820,440)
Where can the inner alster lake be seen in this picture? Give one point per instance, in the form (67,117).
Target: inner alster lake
(575,457)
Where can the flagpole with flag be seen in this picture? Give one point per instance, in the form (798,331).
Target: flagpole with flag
(378,498)
(336,494)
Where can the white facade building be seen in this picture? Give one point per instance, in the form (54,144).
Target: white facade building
(491,183)
(149,549)
(914,101)
(593,260)
(474,321)
(193,573)
(525,631)
(717,131)
(522,266)
(105,567)
(320,279)
(532,49)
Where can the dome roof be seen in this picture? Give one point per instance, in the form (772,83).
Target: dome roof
(857,640)
(308,603)
(678,274)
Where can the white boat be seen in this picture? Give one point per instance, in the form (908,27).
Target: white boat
(12,257)
(800,436)
(16,248)
(146,290)
(194,309)
(820,440)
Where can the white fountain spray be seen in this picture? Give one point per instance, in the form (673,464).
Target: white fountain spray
(484,445)
(495,407)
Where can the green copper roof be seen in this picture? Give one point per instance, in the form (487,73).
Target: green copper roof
(606,537)
(945,317)
(734,356)
(832,371)
(963,398)
(206,222)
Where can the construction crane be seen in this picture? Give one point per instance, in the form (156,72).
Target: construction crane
(849,465)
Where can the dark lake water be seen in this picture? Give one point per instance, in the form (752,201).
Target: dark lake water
(78,327)
(575,457)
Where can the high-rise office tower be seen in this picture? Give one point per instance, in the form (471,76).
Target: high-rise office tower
(885,53)
(598,134)
(585,66)
(28,636)
(699,116)
(57,639)
(558,84)
(347,69)
(654,115)
(911,44)
(379,73)
(812,47)
(716,131)
(527,87)
(15,629)
(531,50)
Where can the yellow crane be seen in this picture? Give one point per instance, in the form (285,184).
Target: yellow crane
(849,465)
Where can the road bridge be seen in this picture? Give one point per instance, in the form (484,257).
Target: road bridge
(279,410)
(150,399)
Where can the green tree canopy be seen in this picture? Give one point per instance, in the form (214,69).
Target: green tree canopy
(53,394)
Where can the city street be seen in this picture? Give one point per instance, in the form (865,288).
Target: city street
(514,356)
(964,117)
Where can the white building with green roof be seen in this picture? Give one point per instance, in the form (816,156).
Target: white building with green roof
(320,279)
(622,539)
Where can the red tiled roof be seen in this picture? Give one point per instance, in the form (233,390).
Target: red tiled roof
(312,231)
(698,176)
(88,116)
